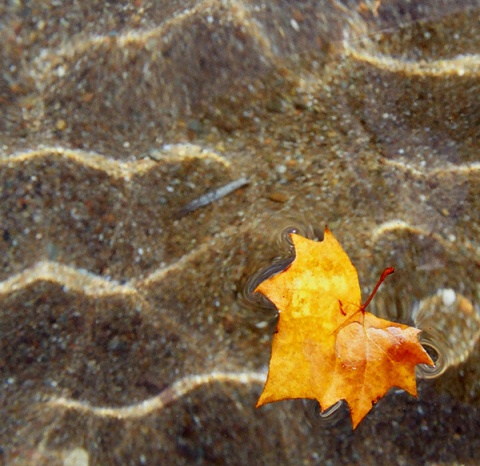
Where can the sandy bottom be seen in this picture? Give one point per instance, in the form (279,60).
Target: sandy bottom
(152,153)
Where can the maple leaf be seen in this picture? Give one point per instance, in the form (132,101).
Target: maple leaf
(326,346)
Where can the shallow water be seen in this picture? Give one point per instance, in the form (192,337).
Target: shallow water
(125,334)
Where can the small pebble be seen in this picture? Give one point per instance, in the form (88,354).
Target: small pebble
(277,196)
(76,457)
(61,125)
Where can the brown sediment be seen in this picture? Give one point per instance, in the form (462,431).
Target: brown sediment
(362,116)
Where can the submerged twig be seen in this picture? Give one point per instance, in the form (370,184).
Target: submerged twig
(212,196)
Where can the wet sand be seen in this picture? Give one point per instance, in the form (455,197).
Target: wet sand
(127,336)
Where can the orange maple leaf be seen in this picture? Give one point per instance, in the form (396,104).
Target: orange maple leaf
(326,346)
